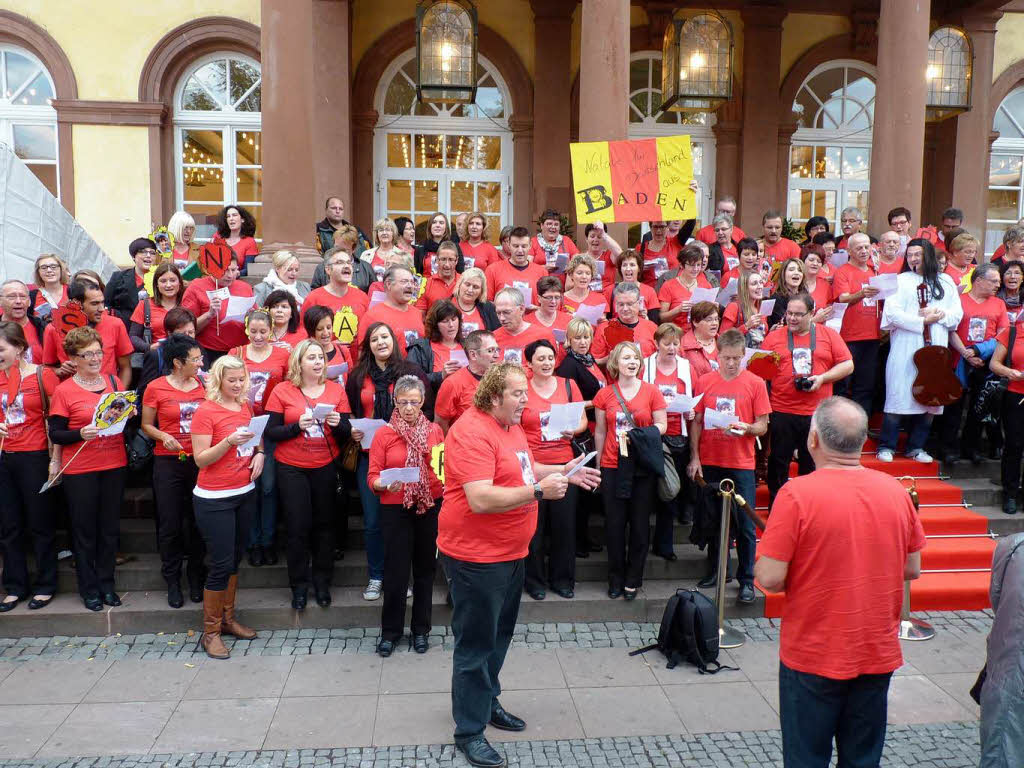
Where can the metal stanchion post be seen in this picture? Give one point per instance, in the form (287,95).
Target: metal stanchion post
(727,636)
(912,629)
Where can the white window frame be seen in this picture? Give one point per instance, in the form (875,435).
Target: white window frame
(12,114)
(1005,146)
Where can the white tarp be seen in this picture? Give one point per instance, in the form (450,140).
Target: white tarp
(32,222)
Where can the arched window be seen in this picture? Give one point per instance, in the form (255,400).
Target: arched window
(218,159)
(454,158)
(28,124)
(830,160)
(1005,190)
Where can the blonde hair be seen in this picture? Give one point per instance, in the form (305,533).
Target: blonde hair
(616,354)
(586,260)
(667,329)
(65,278)
(295,362)
(216,377)
(385,223)
(474,273)
(178,222)
(492,385)
(281,258)
(347,235)
(962,241)
(578,327)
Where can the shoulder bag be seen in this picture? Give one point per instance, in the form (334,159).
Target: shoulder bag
(583,443)
(668,481)
(147,334)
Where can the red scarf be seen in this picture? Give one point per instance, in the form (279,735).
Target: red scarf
(415,435)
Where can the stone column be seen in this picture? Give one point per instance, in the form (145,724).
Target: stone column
(364,190)
(786,131)
(332,112)
(552,21)
(522,183)
(970,175)
(727,160)
(897,147)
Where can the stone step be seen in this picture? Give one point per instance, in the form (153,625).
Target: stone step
(980,491)
(965,470)
(1000,523)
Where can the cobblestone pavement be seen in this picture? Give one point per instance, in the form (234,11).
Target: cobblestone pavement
(296,642)
(937,745)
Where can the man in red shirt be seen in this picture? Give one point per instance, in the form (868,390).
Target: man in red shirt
(811,357)
(396,310)
(339,293)
(518,271)
(515,333)
(215,337)
(839,644)
(440,285)
(952,223)
(851,220)
(487,519)
(860,323)
(718,452)
(725,204)
(117,347)
(776,247)
(14,302)
(455,395)
(889,258)
(626,326)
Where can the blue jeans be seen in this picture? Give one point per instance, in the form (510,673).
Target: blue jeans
(371,519)
(264,517)
(815,709)
(740,526)
(919,425)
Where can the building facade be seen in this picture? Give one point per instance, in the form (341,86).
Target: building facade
(128,113)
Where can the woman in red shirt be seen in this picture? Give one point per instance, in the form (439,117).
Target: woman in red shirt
(815,283)
(93,466)
(543,390)
(170,288)
(579,276)
(630,266)
(433,354)
(284,311)
(744,313)
(700,344)
(307,444)
(167,410)
(471,299)
(236,228)
(626,558)
(51,286)
(408,513)
(675,294)
(318,322)
(24,390)
(476,250)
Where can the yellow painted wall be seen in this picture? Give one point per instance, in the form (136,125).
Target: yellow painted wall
(107,41)
(112,185)
(802,31)
(1009,42)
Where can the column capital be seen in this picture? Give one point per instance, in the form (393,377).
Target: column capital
(365,121)
(981,23)
(763,16)
(520,125)
(727,131)
(553,9)
(786,131)
(864,29)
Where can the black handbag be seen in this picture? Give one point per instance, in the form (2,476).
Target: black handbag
(147,336)
(584,442)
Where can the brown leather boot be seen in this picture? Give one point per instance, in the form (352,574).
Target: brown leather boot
(213,613)
(230,625)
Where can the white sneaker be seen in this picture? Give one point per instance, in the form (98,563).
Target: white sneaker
(923,457)
(408,592)
(372,591)
(885,455)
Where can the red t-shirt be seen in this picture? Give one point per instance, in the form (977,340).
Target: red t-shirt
(593,299)
(174,412)
(982,319)
(472,321)
(538,410)
(113,338)
(263,376)
(829,351)
(481,255)
(407,324)
(893,267)
(844,584)
(314,447)
(436,290)
(675,293)
(78,404)
(782,250)
(26,430)
(487,451)
(642,407)
(746,398)
(706,234)
(442,354)
(231,472)
(958,275)
(232,334)
(34,353)
(247,246)
(1017,356)
(642,334)
(156,318)
(504,274)
(822,293)
(567,246)
(657,262)
(455,395)
(357,301)
(558,329)
(648,299)
(670,385)
(338,354)
(731,318)
(389,451)
(608,277)
(41,299)
(512,346)
(860,323)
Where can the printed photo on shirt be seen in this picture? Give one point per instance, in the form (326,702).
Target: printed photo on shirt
(621,424)
(186,410)
(726,405)
(378,270)
(802,361)
(667,391)
(976,329)
(15,414)
(524,288)
(258,386)
(660,266)
(513,356)
(27,354)
(526,467)
(732,262)
(410,337)
(468,328)
(469,261)
(316,429)
(545,428)
(245,453)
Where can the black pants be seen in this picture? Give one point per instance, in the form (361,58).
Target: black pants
(485,606)
(409,540)
(741,527)
(94,504)
(952,415)
(224,524)
(307,499)
(669,511)
(557,519)
(1013,442)
(177,535)
(859,386)
(23,508)
(627,552)
(588,504)
(788,433)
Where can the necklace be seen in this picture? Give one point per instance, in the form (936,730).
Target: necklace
(88,384)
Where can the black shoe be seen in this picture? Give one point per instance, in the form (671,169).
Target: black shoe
(419,643)
(195,593)
(746,594)
(111,599)
(36,603)
(270,555)
(9,605)
(93,603)
(536,594)
(481,754)
(504,721)
(670,556)
(1010,506)
(709,581)
(256,556)
(614,592)
(385,648)
(339,554)
(174,597)
(584,553)
(977,458)
(595,547)
(952,457)
(299,597)
(323,597)
(630,594)
(565,592)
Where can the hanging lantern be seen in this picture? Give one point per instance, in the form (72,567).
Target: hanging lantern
(948,74)
(696,62)
(446,41)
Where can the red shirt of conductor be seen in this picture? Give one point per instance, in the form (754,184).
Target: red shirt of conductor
(840,541)
(489,513)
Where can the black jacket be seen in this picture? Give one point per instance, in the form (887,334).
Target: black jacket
(645,457)
(572,369)
(325,237)
(489,315)
(122,295)
(420,353)
(354,388)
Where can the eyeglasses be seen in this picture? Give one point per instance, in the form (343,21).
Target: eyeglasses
(408,403)
(94,355)
(797,315)
(194,360)
(48,267)
(850,221)
(146,251)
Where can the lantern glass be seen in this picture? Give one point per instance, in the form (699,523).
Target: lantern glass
(697,62)
(948,74)
(446,49)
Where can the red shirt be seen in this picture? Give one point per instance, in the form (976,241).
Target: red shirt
(1017,356)
(860,323)
(314,447)
(113,337)
(782,250)
(338,354)
(389,451)
(822,293)
(436,290)
(512,346)
(870,534)
(41,298)
(231,472)
(732,318)
(982,319)
(174,412)
(263,376)
(471,321)
(608,278)
(156,318)
(701,362)
(670,385)
(504,274)
(442,355)
(455,395)
(658,262)
(26,428)
(77,405)
(648,299)
(746,398)
(567,246)
(593,299)
(34,353)
(642,407)
(357,301)
(407,324)
(893,267)
(829,351)
(487,451)
(232,334)
(706,234)
(957,275)
(481,255)
(558,329)
(247,246)
(675,293)
(642,334)
(538,410)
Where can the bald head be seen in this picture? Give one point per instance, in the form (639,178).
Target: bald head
(841,426)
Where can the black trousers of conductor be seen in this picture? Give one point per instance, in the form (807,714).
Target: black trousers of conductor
(224,523)
(627,550)
(485,606)
(410,541)
(788,433)
(94,505)
(557,518)
(307,500)
(860,385)
(23,508)
(177,534)
(1013,442)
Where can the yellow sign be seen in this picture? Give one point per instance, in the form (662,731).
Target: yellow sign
(346,325)
(437,460)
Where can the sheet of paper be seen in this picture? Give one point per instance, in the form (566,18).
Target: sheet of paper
(683,403)
(586,460)
(886,284)
(703,294)
(727,293)
(256,426)
(400,475)
(44,309)
(322,410)
(714,419)
(221,293)
(766,307)
(113,412)
(237,307)
(592,313)
(336,371)
(836,321)
(458,355)
(564,417)
(377,297)
(559,335)
(369,428)
(561,262)
(839,258)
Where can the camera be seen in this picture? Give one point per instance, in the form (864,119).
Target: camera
(803,383)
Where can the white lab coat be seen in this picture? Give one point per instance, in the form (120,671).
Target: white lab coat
(900,317)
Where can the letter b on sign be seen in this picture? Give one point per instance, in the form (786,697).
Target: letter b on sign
(595,198)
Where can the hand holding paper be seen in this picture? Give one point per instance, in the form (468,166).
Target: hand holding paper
(322,410)
(703,294)
(369,428)
(683,403)
(836,321)
(237,307)
(399,475)
(715,419)
(592,313)
(886,284)
(564,417)
(256,427)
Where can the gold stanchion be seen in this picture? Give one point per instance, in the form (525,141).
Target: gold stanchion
(912,629)
(727,636)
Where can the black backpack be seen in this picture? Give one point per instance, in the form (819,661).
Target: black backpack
(689,632)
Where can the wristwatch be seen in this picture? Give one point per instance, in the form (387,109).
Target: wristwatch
(538,492)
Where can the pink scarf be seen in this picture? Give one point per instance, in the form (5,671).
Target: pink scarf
(415,435)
